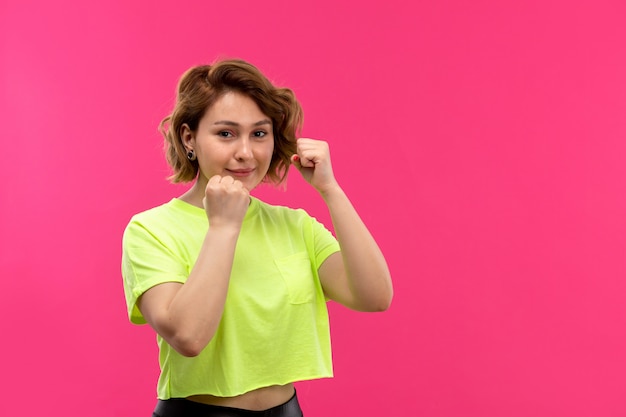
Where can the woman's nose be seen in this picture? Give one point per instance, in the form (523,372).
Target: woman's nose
(243,150)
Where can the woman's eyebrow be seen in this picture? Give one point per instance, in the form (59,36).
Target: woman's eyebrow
(231,123)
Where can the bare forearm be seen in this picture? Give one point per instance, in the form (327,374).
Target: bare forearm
(196,310)
(366,270)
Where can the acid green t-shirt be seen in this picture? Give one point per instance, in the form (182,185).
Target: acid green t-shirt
(274,329)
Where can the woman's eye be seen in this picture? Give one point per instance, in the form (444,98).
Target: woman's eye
(260,134)
(225,134)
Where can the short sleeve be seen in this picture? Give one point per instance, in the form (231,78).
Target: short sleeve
(324,243)
(147,261)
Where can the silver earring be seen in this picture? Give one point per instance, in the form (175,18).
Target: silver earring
(191,155)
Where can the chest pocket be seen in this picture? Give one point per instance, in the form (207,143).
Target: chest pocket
(295,271)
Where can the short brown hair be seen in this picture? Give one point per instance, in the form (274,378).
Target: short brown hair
(201,86)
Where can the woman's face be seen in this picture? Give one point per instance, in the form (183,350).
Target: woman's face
(234,138)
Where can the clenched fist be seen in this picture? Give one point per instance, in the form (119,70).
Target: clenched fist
(225,201)
(312,159)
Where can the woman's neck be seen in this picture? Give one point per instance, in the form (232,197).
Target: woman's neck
(195,194)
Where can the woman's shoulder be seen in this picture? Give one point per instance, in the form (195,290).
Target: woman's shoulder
(167,219)
(279,211)
(174,208)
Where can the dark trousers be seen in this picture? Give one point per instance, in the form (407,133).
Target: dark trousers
(181,407)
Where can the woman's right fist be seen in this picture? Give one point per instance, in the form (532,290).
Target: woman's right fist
(225,201)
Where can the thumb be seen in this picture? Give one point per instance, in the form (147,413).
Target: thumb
(295,161)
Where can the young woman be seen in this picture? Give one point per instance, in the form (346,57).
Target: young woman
(235,288)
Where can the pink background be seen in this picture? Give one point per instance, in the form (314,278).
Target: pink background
(482,141)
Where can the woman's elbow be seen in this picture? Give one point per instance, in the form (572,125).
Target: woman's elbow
(188,346)
(381,305)
(187,351)
(383,301)
(376,305)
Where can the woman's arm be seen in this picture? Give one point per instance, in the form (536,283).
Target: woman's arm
(358,276)
(187,315)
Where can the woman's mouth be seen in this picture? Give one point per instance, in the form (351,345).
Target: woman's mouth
(242,172)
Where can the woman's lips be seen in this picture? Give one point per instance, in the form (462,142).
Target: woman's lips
(244,172)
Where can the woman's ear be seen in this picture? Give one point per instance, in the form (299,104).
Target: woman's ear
(186,136)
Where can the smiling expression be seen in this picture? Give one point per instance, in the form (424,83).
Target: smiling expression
(234,138)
